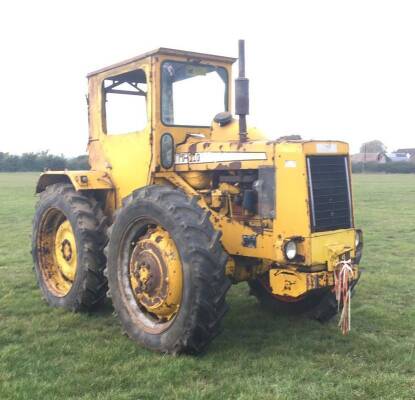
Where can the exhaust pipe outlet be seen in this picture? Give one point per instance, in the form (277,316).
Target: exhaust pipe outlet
(242,93)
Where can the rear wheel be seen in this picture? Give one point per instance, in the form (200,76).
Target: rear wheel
(319,304)
(67,248)
(166,271)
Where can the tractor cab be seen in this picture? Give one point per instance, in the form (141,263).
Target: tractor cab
(132,104)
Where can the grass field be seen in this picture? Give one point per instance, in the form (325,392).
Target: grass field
(48,353)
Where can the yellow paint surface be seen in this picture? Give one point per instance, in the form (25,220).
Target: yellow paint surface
(130,161)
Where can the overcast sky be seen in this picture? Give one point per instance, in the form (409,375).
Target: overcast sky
(322,69)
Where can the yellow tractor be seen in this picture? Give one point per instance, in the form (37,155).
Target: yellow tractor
(182,199)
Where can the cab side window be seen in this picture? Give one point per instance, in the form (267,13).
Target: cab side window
(125,103)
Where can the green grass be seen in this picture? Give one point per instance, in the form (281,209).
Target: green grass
(48,353)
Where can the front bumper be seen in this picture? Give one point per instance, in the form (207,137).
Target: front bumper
(292,283)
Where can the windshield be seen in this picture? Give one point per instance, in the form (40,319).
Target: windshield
(192,94)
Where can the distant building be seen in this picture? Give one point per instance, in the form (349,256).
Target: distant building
(410,151)
(380,158)
(399,157)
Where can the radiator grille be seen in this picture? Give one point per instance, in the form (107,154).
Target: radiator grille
(329,188)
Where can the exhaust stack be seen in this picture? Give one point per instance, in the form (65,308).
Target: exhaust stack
(242,93)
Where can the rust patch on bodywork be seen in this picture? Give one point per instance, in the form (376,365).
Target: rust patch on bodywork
(235,165)
(192,148)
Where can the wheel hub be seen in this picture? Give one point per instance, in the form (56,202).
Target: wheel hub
(57,252)
(155,274)
(65,250)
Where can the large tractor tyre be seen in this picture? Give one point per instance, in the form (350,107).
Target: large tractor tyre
(320,304)
(67,248)
(166,271)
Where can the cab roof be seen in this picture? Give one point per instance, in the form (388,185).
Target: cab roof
(169,52)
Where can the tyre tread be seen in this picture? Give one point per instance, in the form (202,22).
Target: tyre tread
(206,255)
(91,225)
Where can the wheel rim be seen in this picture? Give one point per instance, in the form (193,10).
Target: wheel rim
(57,253)
(155,277)
(155,274)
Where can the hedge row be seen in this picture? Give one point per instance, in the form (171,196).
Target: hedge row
(390,167)
(43,160)
(40,162)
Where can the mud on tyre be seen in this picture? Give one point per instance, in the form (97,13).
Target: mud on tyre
(67,248)
(166,271)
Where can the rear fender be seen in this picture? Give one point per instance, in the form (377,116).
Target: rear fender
(80,180)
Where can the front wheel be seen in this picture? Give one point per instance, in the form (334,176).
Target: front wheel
(166,271)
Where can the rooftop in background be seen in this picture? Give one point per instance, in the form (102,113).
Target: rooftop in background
(409,151)
(170,52)
(398,156)
(369,157)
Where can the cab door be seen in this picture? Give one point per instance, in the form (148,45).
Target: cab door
(120,140)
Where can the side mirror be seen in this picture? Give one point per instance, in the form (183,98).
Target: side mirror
(167,151)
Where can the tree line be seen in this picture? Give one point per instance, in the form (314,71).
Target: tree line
(387,168)
(40,161)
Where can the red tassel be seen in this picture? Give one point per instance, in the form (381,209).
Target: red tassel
(343,273)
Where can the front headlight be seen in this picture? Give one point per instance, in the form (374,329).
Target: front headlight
(290,250)
(358,246)
(358,238)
